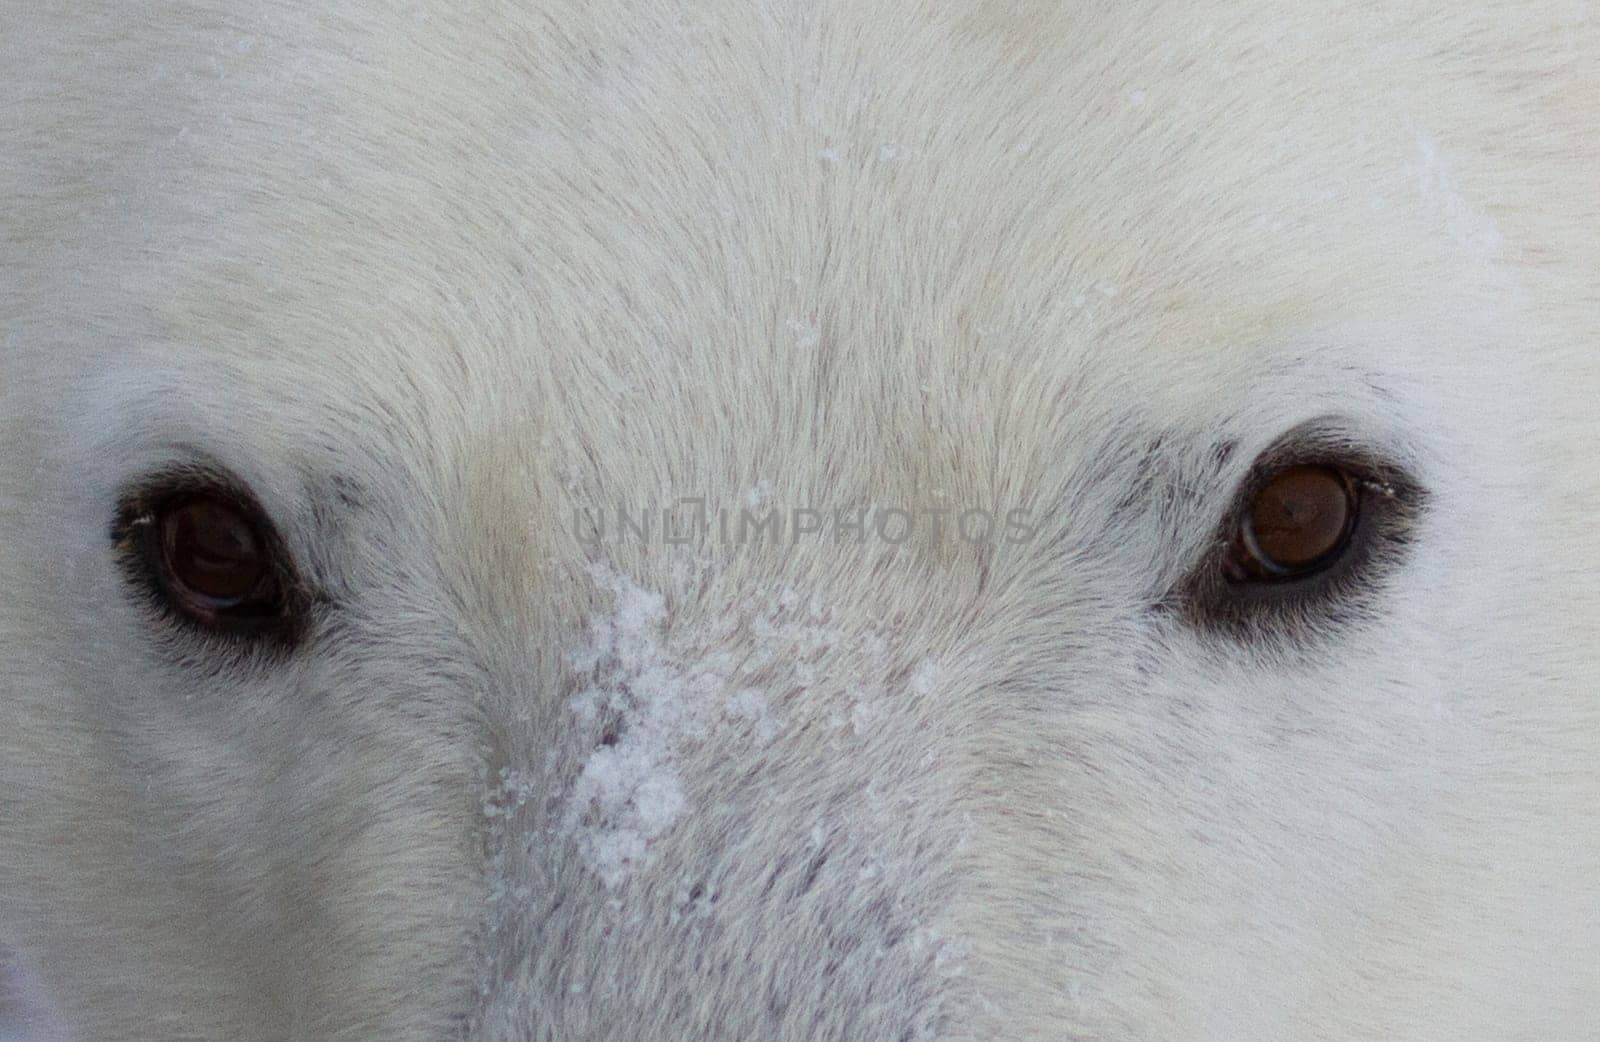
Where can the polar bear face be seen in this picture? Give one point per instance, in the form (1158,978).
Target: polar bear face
(846,522)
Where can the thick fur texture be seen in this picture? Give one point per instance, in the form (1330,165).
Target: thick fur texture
(430,276)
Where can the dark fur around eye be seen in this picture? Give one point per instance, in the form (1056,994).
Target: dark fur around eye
(1222,595)
(203,555)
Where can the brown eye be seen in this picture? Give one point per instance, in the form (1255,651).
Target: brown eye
(214,562)
(1298,522)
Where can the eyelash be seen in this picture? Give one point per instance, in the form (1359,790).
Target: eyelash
(133,533)
(1389,508)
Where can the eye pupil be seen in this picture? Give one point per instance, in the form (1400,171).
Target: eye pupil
(213,556)
(1298,521)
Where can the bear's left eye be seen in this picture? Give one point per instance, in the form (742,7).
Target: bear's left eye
(1298,522)
(1315,530)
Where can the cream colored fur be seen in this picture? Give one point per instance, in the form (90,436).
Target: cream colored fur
(430,275)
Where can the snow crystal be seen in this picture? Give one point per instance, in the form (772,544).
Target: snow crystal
(924,679)
(750,705)
(806,334)
(628,792)
(514,790)
(760,495)
(652,686)
(655,684)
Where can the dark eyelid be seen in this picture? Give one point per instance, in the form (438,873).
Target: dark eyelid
(1391,505)
(131,533)
(138,499)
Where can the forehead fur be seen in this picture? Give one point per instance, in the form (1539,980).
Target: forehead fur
(830,186)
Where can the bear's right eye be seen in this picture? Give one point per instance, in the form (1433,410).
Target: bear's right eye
(211,559)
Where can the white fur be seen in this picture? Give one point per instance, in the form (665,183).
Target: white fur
(428,275)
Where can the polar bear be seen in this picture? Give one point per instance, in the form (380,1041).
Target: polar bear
(805,520)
